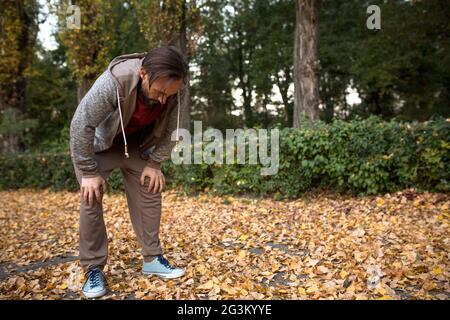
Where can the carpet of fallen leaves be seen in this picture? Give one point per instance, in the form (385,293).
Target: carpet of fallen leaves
(322,246)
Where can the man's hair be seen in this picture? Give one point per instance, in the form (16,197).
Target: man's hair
(167,62)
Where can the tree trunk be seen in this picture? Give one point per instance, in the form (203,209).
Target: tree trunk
(186,102)
(10,144)
(244,83)
(82,89)
(306,60)
(283,86)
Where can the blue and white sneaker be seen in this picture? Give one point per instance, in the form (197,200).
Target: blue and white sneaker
(94,286)
(161,267)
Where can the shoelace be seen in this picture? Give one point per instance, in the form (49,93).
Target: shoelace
(94,278)
(165,263)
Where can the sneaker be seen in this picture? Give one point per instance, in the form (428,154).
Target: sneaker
(161,268)
(94,286)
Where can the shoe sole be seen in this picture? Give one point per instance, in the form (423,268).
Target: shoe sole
(164,275)
(94,295)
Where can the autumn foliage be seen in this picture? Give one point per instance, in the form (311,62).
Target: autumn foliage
(320,246)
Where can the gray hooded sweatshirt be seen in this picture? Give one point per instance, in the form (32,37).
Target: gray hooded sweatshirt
(106,109)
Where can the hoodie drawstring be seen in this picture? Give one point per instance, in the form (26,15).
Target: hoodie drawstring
(121,123)
(178,116)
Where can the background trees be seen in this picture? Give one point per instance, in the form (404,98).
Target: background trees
(253,62)
(18,31)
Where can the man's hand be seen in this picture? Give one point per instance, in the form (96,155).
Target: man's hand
(92,186)
(156,177)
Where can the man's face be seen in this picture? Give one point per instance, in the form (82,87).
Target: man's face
(160,90)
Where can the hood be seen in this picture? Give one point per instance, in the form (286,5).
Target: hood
(125,71)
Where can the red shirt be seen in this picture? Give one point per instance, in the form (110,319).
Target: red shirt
(142,115)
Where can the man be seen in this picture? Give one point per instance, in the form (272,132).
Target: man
(126,121)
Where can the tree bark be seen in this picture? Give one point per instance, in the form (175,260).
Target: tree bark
(244,83)
(186,102)
(283,86)
(82,89)
(306,60)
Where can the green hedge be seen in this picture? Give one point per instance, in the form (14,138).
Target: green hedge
(368,156)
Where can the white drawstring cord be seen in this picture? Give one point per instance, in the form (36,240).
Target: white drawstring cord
(178,115)
(121,123)
(176,147)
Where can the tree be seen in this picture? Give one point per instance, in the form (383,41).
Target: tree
(87,47)
(127,34)
(51,99)
(18,31)
(400,70)
(272,63)
(211,83)
(306,60)
(171,22)
(403,68)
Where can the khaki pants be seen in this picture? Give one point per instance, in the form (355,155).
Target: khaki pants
(144,207)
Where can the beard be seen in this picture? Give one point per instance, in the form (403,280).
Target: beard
(149,102)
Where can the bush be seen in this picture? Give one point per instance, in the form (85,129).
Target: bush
(368,156)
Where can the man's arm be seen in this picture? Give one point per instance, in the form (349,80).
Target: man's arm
(95,106)
(164,148)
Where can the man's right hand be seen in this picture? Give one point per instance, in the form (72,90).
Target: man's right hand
(92,186)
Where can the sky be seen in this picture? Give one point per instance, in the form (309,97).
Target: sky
(46,28)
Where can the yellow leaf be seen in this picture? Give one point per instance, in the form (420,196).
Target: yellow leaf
(312,289)
(242,254)
(227,288)
(201,269)
(381,290)
(243,237)
(216,289)
(385,298)
(243,292)
(294,265)
(206,286)
(322,269)
(445,206)
(343,274)
(437,271)
(429,286)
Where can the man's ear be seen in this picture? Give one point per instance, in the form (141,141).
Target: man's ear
(142,73)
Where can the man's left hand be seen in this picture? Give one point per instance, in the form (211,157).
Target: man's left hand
(156,177)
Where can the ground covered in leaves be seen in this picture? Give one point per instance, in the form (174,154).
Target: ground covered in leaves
(325,246)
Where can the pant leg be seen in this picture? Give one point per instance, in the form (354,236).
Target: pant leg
(93,239)
(144,207)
